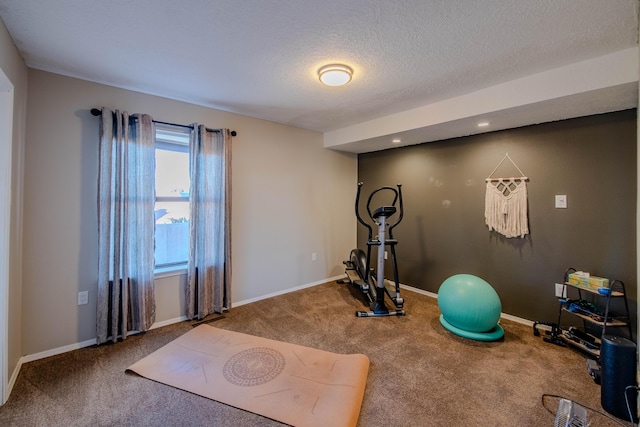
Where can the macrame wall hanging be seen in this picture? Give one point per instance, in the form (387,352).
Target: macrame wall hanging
(505,203)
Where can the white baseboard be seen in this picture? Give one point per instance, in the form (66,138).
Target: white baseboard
(55,351)
(168,322)
(37,356)
(419,291)
(286,291)
(517,319)
(13,378)
(502,315)
(76,346)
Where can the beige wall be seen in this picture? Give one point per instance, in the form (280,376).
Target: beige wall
(14,68)
(291,197)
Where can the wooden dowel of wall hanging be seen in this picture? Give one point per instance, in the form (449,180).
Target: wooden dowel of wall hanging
(522,178)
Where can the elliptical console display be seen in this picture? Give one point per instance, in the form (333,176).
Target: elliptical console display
(372,282)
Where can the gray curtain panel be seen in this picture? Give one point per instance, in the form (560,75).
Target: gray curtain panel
(209,269)
(126,192)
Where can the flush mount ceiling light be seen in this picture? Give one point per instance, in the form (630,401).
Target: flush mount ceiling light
(335,74)
(483,124)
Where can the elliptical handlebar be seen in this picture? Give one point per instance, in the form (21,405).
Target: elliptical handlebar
(397,198)
(358,211)
(401,208)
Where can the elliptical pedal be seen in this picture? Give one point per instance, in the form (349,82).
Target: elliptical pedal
(380,314)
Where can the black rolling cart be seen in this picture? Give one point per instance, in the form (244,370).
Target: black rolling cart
(594,308)
(600,337)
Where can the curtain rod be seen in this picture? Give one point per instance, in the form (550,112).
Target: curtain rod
(96,112)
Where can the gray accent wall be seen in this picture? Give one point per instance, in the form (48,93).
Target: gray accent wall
(591,160)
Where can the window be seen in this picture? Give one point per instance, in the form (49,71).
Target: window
(172,196)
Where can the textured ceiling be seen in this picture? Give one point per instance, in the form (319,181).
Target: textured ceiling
(260,57)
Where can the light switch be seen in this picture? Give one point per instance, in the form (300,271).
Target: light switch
(561,201)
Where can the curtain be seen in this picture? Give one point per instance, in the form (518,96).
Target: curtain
(209,268)
(126,193)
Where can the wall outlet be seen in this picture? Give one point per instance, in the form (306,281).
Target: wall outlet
(314,257)
(83,297)
(561,290)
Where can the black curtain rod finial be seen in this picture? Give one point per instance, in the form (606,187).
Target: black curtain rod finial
(96,112)
(233,133)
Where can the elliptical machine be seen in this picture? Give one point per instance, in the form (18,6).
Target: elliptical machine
(358,270)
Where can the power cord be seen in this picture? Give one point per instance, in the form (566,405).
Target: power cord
(589,408)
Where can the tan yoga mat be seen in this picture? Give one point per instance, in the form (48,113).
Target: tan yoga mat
(290,383)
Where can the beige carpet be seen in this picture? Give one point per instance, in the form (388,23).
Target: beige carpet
(290,383)
(420,373)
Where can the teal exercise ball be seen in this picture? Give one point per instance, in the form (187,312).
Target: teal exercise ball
(470,307)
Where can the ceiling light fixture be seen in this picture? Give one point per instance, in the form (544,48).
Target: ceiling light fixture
(396,141)
(335,74)
(483,124)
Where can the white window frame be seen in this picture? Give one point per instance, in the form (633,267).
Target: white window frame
(175,138)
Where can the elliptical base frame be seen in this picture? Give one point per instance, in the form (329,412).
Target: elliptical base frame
(354,271)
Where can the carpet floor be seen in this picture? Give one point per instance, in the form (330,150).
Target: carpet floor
(420,374)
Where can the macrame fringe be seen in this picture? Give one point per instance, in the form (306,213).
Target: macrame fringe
(506,211)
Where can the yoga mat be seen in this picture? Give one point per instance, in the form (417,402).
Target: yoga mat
(290,383)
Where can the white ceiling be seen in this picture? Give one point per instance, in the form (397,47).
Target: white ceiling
(423,69)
